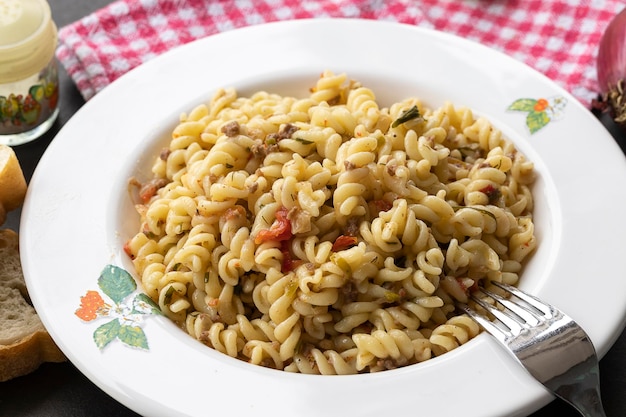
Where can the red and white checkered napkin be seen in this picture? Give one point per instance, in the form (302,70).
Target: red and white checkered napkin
(557,37)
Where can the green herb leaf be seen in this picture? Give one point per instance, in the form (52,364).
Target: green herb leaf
(483,211)
(341,263)
(410,114)
(116,283)
(168,295)
(391,297)
(303,141)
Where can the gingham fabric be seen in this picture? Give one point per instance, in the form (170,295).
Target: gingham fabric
(559,38)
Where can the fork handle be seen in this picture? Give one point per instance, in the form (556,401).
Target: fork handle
(584,395)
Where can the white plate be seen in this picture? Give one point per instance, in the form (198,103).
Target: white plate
(77,217)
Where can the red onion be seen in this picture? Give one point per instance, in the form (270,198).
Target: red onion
(611,67)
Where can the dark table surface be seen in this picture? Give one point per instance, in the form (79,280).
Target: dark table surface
(61,390)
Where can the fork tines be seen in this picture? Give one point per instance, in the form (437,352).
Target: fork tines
(549,344)
(516,316)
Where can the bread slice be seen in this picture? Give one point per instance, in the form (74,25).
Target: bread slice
(12,182)
(24,342)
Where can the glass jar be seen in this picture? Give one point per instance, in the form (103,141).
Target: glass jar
(29,82)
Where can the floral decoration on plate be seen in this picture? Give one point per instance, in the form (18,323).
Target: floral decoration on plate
(540,111)
(125,313)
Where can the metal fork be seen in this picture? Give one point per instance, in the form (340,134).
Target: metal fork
(551,346)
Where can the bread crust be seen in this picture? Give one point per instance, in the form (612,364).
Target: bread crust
(28,353)
(12,182)
(32,349)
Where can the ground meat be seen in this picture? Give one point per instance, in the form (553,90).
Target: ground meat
(252,188)
(349,165)
(334,101)
(391,169)
(148,189)
(231,129)
(390,363)
(261,150)
(352,227)
(349,291)
(285,133)
(165,153)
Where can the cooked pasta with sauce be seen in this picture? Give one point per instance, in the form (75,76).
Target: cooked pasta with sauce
(328,234)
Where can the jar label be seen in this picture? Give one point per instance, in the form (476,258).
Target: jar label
(28,103)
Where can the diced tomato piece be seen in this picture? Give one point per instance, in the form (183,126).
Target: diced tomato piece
(279,230)
(147,193)
(467,290)
(344,242)
(288,264)
(150,188)
(128,251)
(491,192)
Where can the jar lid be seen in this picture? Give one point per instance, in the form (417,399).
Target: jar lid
(28,38)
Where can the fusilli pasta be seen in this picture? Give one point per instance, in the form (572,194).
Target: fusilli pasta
(328,234)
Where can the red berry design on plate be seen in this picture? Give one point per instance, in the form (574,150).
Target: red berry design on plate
(90,303)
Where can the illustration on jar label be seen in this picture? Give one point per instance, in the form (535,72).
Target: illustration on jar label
(24,110)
